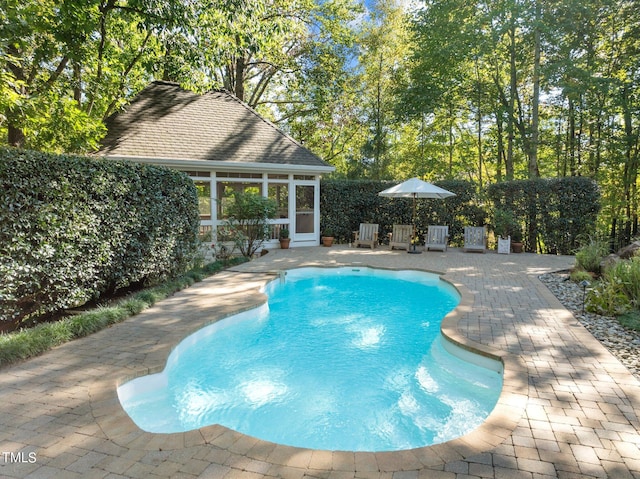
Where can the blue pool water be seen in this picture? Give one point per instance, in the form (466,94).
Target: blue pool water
(339,359)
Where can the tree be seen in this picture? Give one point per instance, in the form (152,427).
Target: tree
(384,48)
(247,222)
(72,64)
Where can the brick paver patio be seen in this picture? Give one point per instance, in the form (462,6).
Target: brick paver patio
(569,409)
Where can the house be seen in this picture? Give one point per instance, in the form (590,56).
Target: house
(224,146)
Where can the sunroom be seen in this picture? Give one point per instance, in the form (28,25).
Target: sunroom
(224,146)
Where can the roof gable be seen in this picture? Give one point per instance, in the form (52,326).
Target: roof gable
(165,121)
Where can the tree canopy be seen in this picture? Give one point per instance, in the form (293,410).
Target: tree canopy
(486,91)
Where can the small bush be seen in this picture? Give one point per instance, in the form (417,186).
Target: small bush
(608,298)
(135,306)
(148,296)
(591,254)
(627,273)
(631,320)
(618,292)
(579,275)
(248,222)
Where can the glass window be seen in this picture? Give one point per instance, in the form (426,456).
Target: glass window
(204,199)
(280,193)
(202,174)
(226,189)
(238,175)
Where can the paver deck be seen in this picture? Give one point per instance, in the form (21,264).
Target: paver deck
(569,409)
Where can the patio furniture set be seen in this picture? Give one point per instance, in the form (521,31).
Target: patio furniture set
(437,237)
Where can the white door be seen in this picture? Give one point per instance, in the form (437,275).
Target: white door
(306,204)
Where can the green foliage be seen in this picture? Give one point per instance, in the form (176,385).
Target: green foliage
(505,224)
(591,254)
(73,228)
(248,220)
(554,213)
(68,65)
(618,292)
(607,298)
(631,319)
(579,275)
(30,342)
(344,204)
(627,272)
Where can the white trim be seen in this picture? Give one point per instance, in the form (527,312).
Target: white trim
(227,165)
(215,167)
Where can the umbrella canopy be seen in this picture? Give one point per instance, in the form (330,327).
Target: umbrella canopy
(416,188)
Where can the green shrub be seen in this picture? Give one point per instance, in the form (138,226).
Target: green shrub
(579,275)
(344,204)
(591,254)
(248,222)
(618,292)
(627,273)
(608,298)
(555,212)
(148,296)
(74,228)
(33,341)
(135,305)
(506,224)
(631,320)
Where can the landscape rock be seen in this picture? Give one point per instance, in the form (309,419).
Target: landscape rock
(609,261)
(629,251)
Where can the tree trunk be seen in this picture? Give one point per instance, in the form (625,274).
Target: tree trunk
(451,142)
(479,121)
(534,172)
(15,135)
(500,146)
(511,104)
(571,138)
(239,77)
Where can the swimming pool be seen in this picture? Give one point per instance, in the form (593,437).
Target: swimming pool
(339,359)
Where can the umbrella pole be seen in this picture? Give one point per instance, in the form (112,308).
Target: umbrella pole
(413,237)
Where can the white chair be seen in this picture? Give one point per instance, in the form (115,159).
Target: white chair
(366,236)
(437,237)
(475,238)
(401,236)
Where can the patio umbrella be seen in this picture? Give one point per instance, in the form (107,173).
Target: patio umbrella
(415,188)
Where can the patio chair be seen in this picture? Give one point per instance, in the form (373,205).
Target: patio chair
(401,236)
(437,237)
(475,238)
(366,236)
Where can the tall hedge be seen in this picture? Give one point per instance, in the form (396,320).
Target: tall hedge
(73,228)
(344,204)
(555,213)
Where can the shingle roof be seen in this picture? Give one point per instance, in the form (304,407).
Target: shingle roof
(166,121)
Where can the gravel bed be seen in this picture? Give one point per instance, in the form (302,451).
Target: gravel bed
(621,342)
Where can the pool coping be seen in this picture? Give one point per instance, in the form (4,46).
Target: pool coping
(499,425)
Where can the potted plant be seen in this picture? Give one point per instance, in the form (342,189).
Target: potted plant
(516,239)
(327,238)
(503,222)
(284,238)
